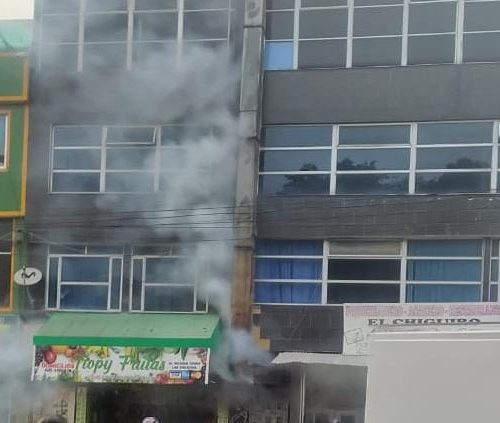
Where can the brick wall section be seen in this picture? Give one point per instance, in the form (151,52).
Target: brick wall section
(324,216)
(302,328)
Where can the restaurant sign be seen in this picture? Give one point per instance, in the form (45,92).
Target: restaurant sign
(362,319)
(172,366)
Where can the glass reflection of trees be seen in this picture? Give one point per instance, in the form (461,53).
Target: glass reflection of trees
(306,184)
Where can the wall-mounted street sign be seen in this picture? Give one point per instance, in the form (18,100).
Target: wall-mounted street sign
(27,276)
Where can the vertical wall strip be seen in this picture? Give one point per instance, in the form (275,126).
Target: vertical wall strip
(494,158)
(402,276)
(81,34)
(404,44)
(296,23)
(324,274)
(350,31)
(413,158)
(130,32)
(459,38)
(333,165)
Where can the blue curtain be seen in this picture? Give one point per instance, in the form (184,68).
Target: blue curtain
(298,293)
(79,297)
(444,270)
(430,293)
(278,55)
(288,268)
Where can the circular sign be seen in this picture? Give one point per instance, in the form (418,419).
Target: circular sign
(27,276)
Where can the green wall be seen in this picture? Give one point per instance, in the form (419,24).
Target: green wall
(12,76)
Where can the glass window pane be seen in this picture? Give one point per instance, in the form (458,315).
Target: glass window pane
(104,5)
(130,135)
(59,28)
(206,4)
(482,16)
(78,297)
(482,47)
(376,51)
(206,25)
(129,158)
(454,158)
(77,159)
(325,23)
(106,27)
(295,160)
(442,293)
(85,269)
(424,50)
(383,159)
(455,133)
(444,270)
(288,248)
(294,184)
(427,183)
(297,136)
(105,56)
(289,293)
(136,284)
(169,270)
(322,54)
(129,182)
(278,55)
(162,298)
(60,6)
(116,275)
(375,2)
(372,184)
(52,283)
(359,135)
(364,269)
(322,3)
(155,4)
(340,293)
(280,4)
(444,248)
(75,182)
(493,293)
(432,18)
(378,21)
(162,50)
(267,268)
(494,271)
(155,26)
(76,136)
(279,25)
(365,248)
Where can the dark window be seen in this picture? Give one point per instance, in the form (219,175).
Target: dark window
(428,183)
(322,54)
(106,27)
(155,26)
(129,182)
(287,293)
(322,3)
(482,47)
(130,135)
(206,4)
(280,4)
(376,51)
(155,4)
(295,160)
(159,298)
(288,248)
(76,136)
(60,6)
(206,25)
(77,159)
(116,283)
(169,270)
(59,28)
(379,183)
(85,269)
(432,18)
(378,21)
(370,159)
(442,293)
(105,56)
(294,184)
(79,297)
(454,158)
(429,49)
(129,158)
(326,23)
(75,182)
(104,5)
(52,283)
(482,16)
(455,133)
(444,248)
(359,135)
(297,136)
(5,275)
(364,269)
(362,293)
(279,25)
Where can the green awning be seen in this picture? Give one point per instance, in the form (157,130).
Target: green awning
(130,330)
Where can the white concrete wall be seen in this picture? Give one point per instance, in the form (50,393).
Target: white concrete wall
(423,377)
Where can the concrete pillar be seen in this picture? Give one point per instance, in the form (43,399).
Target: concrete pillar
(247,172)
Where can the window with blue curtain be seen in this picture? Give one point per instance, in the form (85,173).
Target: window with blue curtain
(288,272)
(444,271)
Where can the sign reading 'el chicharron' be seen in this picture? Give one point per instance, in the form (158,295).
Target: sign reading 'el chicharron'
(362,319)
(176,366)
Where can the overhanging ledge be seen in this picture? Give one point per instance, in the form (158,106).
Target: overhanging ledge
(130,330)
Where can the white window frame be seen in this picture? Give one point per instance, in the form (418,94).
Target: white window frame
(413,148)
(5,118)
(129,41)
(61,256)
(402,282)
(156,148)
(143,258)
(405,36)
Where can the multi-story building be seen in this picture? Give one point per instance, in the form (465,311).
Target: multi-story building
(378,176)
(15,39)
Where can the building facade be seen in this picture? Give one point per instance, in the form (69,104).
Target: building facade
(377,174)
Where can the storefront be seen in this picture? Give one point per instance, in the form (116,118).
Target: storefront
(126,367)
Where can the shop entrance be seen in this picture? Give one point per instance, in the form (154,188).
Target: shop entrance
(168,404)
